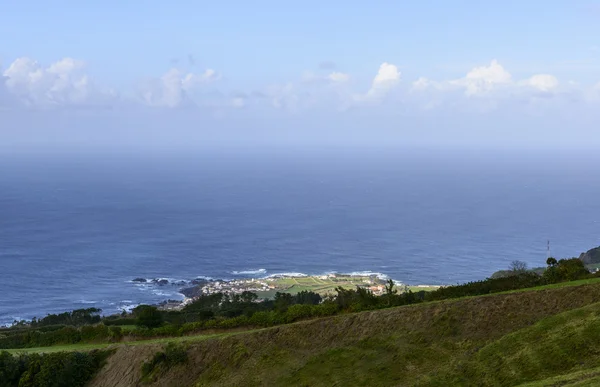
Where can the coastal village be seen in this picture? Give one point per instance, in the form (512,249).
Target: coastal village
(267,287)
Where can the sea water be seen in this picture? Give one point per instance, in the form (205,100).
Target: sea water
(76,229)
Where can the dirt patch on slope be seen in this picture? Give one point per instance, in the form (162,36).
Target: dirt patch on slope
(123,369)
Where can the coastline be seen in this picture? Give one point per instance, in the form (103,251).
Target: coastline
(169,293)
(266,287)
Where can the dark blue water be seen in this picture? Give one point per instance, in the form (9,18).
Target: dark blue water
(74,230)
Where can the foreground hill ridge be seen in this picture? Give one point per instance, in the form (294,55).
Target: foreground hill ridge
(455,342)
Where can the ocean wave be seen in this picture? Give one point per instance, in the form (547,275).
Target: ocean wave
(128,308)
(247,272)
(86,302)
(161,293)
(368,273)
(275,275)
(161,281)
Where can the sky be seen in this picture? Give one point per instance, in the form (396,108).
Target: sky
(187,74)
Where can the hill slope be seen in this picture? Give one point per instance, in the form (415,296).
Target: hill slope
(489,340)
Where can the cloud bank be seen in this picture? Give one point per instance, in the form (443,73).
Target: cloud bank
(66,83)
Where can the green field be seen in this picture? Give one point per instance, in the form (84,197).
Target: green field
(326,286)
(315,284)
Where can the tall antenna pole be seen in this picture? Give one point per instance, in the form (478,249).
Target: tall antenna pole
(548,250)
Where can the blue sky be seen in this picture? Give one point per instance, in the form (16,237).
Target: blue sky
(380,70)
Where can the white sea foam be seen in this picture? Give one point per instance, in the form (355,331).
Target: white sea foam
(161,293)
(86,302)
(248,272)
(276,275)
(369,273)
(128,308)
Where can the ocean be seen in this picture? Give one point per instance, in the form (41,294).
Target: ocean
(76,229)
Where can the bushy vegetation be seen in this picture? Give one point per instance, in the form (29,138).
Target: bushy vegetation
(63,369)
(148,316)
(75,318)
(65,335)
(557,271)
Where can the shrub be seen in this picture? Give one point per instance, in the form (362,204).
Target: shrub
(56,369)
(148,316)
(487,286)
(120,321)
(565,270)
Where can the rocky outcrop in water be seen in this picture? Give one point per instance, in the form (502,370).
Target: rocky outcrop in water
(196,290)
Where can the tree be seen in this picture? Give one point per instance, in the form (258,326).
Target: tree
(306,297)
(344,297)
(282,301)
(248,297)
(366,298)
(564,270)
(148,316)
(390,291)
(517,267)
(571,269)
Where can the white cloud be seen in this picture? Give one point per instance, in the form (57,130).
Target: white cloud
(62,83)
(338,77)
(542,82)
(387,78)
(175,88)
(422,84)
(492,81)
(484,79)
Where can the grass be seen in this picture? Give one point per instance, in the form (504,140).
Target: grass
(294,285)
(559,344)
(543,336)
(537,335)
(587,378)
(90,347)
(478,341)
(87,347)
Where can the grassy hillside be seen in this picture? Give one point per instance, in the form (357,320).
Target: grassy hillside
(505,339)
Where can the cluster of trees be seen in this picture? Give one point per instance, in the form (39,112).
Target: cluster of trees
(57,369)
(98,333)
(217,311)
(225,305)
(76,317)
(518,276)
